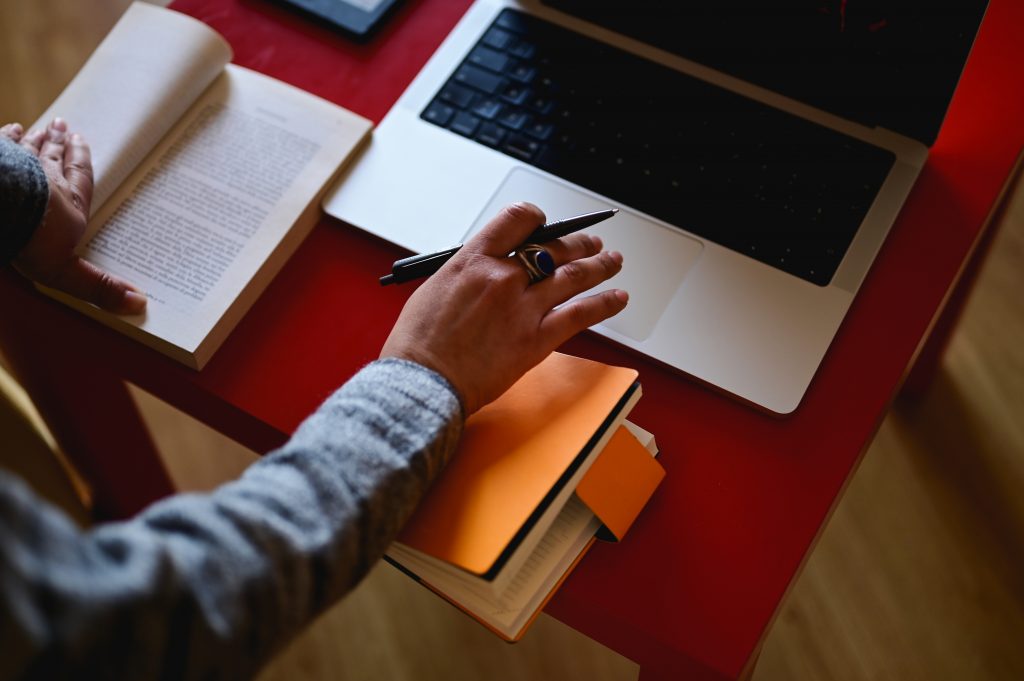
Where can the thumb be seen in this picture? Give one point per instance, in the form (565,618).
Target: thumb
(84,280)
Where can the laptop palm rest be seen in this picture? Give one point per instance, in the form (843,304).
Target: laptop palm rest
(656,258)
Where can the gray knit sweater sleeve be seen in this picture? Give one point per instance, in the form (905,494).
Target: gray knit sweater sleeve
(210,586)
(24,193)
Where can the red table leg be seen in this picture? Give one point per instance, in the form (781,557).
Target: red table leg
(90,413)
(930,354)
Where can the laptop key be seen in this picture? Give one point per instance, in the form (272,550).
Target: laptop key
(457,95)
(515,21)
(498,39)
(478,78)
(540,130)
(524,73)
(465,124)
(524,50)
(488,59)
(438,113)
(487,109)
(541,104)
(490,134)
(512,119)
(515,93)
(521,146)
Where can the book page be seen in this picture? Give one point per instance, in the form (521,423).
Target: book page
(510,611)
(197,221)
(568,536)
(145,74)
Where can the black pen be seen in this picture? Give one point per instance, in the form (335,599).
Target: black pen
(417,266)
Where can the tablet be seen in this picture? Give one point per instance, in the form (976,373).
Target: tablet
(357,18)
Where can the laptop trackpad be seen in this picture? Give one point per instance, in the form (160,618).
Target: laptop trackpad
(655,258)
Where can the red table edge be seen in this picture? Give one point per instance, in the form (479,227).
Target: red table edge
(928,356)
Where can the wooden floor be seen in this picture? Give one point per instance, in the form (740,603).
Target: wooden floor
(919,574)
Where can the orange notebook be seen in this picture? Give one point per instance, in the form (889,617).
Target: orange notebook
(502,526)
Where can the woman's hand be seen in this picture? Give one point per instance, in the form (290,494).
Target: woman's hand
(49,257)
(480,323)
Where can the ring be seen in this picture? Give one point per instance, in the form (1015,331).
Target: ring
(538,262)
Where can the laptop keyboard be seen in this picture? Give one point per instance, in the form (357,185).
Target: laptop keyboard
(760,181)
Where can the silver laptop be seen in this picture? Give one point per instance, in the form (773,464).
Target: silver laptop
(759,153)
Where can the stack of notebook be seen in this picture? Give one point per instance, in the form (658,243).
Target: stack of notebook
(539,474)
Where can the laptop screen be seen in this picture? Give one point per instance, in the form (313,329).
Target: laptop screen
(888,63)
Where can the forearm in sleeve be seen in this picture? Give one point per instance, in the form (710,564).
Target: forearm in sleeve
(209,586)
(24,193)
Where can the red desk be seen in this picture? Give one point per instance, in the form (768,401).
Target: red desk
(695,586)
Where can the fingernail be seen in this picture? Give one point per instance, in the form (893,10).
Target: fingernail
(134,302)
(59,124)
(616,257)
(621,295)
(16,128)
(76,138)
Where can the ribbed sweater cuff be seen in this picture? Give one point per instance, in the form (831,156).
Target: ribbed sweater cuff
(24,193)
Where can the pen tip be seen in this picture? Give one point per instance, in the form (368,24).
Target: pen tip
(614,211)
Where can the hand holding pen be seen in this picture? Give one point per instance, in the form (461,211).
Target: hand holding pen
(479,322)
(531,254)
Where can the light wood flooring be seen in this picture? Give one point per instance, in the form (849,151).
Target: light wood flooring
(918,576)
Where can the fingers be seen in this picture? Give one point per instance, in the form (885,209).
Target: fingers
(562,324)
(12,131)
(78,172)
(48,144)
(33,141)
(51,153)
(88,282)
(573,247)
(63,155)
(575,277)
(567,249)
(507,230)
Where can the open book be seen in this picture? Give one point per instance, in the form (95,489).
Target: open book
(537,474)
(207,175)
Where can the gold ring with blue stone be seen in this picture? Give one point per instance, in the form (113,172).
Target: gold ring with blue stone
(538,262)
